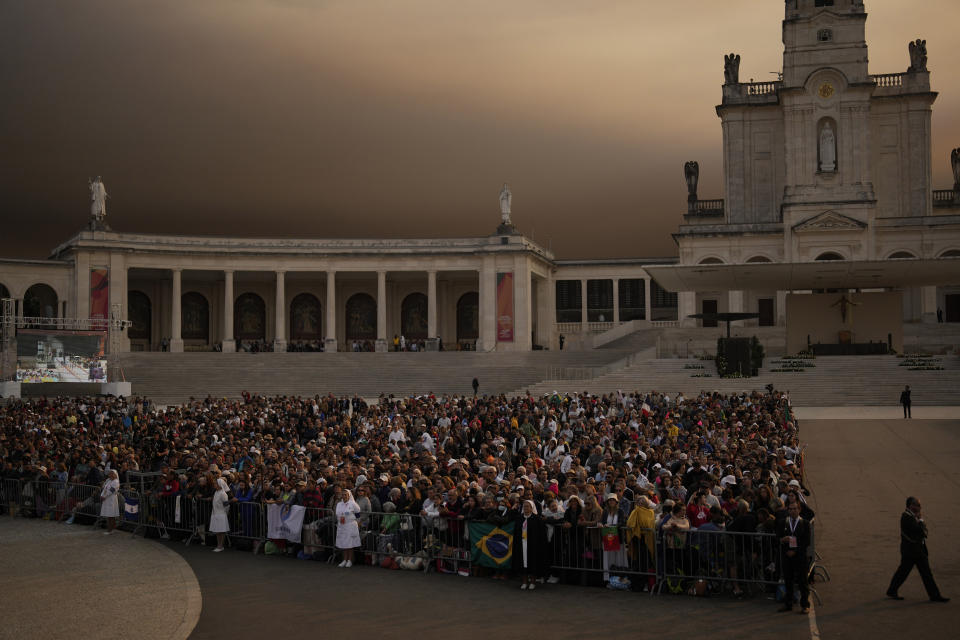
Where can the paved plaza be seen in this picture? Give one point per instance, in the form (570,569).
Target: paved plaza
(859,472)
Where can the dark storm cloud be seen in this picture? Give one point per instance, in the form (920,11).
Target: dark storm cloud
(389,118)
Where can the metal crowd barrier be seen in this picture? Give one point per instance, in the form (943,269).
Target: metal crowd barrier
(657,561)
(721,559)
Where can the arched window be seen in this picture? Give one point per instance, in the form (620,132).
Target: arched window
(468,316)
(755,259)
(711,260)
(40,301)
(4,292)
(952,253)
(194,317)
(900,255)
(249,317)
(413,316)
(305,318)
(140,313)
(830,255)
(361,321)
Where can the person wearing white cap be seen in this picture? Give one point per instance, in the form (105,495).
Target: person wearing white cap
(219,524)
(109,502)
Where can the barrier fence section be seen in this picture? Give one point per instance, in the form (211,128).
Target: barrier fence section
(621,556)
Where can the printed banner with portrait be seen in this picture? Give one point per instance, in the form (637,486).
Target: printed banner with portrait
(99,294)
(505,306)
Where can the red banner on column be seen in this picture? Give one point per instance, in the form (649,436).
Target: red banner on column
(505,307)
(99,294)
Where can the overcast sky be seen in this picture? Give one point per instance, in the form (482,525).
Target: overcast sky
(386,118)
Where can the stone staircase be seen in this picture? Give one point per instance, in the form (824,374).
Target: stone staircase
(834,381)
(170,378)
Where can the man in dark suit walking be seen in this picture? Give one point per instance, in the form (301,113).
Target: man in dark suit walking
(794,534)
(913,551)
(905,401)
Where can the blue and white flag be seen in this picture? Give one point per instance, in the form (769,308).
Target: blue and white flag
(285,522)
(131,508)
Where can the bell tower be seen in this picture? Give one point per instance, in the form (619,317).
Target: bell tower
(824,33)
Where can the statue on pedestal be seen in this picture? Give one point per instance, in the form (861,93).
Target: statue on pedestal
(918,55)
(731,69)
(828,149)
(691,172)
(98,199)
(955,164)
(505,199)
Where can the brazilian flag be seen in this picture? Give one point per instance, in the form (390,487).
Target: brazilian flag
(491,545)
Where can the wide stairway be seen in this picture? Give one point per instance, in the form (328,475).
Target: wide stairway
(833,381)
(175,377)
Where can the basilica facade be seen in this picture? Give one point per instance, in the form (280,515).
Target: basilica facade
(829,163)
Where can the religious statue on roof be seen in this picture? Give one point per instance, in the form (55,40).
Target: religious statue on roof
(505,199)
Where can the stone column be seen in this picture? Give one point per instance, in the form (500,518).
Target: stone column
(735,305)
(928,305)
(229,342)
(523,326)
(433,344)
(583,306)
(616,301)
(487,295)
(280,314)
(686,306)
(647,300)
(781,310)
(118,295)
(330,330)
(381,344)
(176,341)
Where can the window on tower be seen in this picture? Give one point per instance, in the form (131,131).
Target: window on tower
(825,35)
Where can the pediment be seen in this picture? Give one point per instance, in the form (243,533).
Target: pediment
(829,221)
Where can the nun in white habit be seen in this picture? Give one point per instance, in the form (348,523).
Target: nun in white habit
(109,501)
(348,531)
(218,516)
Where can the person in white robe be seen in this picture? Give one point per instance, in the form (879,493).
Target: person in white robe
(348,530)
(219,524)
(110,501)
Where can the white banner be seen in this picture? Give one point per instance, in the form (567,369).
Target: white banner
(284,522)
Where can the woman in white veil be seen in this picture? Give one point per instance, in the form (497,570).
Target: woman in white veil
(109,501)
(348,531)
(219,524)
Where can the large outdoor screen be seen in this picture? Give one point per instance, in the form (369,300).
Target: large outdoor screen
(61,356)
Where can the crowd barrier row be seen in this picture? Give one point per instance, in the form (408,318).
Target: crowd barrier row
(648,560)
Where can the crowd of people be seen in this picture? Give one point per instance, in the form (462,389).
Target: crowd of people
(570,463)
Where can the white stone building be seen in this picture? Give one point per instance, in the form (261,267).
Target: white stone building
(830,162)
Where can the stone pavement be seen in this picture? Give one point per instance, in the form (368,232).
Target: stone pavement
(63,581)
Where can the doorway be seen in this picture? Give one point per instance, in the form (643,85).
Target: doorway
(710,307)
(765,308)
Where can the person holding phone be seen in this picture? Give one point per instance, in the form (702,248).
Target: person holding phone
(913,552)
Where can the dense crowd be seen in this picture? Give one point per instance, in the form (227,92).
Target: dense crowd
(576,460)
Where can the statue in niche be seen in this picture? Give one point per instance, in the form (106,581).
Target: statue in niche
(731,69)
(505,199)
(918,55)
(691,171)
(955,164)
(828,149)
